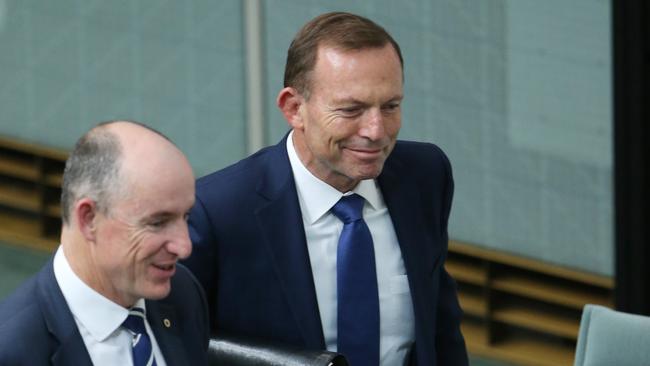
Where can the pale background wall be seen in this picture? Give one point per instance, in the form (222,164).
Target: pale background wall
(517,92)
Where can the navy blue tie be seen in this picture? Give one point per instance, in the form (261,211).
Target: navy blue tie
(357,296)
(141,344)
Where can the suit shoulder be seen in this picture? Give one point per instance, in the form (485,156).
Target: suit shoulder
(238,176)
(421,157)
(19,301)
(419,150)
(243,168)
(23,333)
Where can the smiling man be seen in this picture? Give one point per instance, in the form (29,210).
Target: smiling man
(113,294)
(336,237)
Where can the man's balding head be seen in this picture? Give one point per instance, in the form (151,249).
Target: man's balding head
(94,168)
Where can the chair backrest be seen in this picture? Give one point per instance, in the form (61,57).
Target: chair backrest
(608,337)
(239,351)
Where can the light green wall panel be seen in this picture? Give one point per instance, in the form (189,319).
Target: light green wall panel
(175,65)
(516,92)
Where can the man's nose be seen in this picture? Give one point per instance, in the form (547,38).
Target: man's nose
(180,243)
(372,126)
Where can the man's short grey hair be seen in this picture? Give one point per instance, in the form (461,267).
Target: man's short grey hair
(92,170)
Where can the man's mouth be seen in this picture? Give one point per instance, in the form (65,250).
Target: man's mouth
(164,267)
(365,153)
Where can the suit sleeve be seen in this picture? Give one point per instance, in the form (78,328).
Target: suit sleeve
(450,345)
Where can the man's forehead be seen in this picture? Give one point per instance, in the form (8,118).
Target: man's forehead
(145,206)
(332,59)
(325,47)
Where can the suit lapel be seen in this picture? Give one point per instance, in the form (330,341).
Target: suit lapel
(280,219)
(60,323)
(166,328)
(402,197)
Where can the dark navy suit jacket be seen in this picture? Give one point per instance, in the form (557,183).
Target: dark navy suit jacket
(250,251)
(38,329)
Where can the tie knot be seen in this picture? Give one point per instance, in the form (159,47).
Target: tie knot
(135,321)
(349,208)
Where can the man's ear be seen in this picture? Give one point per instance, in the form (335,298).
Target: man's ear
(85,215)
(290,102)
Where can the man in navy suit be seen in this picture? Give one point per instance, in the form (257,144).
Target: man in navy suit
(127,191)
(265,236)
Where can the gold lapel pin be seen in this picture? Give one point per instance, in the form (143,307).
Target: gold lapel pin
(167,323)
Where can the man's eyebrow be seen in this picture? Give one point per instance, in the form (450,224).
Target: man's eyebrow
(164,214)
(352,100)
(158,215)
(395,98)
(347,100)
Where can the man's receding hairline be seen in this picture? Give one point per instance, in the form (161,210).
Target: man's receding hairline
(338,48)
(112,125)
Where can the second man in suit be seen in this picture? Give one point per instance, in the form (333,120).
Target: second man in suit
(336,237)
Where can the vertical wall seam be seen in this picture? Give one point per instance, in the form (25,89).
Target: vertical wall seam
(254,75)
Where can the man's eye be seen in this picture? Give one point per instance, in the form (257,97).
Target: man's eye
(391,107)
(350,111)
(157,223)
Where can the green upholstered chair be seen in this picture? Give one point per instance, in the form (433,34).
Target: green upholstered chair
(608,337)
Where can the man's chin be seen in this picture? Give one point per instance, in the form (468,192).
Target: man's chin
(368,171)
(157,291)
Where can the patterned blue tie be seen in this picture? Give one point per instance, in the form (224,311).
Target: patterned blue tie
(358,300)
(142,350)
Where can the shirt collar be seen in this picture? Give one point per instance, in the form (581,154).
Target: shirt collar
(319,196)
(99,315)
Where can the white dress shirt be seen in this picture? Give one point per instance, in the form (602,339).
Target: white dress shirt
(322,230)
(99,319)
